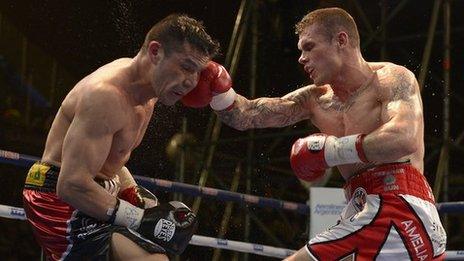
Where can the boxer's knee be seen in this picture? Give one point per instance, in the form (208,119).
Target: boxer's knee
(122,248)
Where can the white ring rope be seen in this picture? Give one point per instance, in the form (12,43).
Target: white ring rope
(263,250)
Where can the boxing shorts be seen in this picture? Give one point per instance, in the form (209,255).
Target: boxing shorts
(391,215)
(65,233)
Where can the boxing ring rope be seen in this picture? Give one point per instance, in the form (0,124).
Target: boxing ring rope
(197,240)
(223,195)
(171,186)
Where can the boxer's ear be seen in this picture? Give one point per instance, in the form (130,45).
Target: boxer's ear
(154,51)
(342,39)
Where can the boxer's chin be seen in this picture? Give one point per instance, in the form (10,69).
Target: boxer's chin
(168,100)
(319,81)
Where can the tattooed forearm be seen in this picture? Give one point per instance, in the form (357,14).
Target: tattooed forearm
(266,112)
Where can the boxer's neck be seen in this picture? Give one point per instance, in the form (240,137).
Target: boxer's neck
(354,75)
(140,83)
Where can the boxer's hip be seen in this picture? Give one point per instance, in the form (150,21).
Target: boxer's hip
(395,178)
(43,177)
(57,225)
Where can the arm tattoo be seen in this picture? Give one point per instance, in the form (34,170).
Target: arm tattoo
(267,112)
(403,87)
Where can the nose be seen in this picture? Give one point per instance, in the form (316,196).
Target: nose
(303,59)
(191,81)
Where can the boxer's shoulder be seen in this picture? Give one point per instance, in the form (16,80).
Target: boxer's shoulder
(395,81)
(313,91)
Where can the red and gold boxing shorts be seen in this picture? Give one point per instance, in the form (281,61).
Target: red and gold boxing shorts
(65,233)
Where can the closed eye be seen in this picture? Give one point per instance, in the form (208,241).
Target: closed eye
(308,47)
(188,68)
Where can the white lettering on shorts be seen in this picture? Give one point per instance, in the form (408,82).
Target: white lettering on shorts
(415,238)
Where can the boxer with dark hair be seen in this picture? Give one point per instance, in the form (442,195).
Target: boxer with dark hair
(81,201)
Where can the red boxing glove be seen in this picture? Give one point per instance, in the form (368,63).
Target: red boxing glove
(214,87)
(311,156)
(307,157)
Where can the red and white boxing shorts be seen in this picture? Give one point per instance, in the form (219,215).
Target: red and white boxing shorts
(390,215)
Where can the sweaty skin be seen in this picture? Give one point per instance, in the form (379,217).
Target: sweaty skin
(350,96)
(104,117)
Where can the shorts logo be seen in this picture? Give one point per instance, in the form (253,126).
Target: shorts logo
(164,230)
(390,183)
(359,199)
(36,175)
(389,179)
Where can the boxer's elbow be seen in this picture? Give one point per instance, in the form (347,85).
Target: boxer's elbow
(408,146)
(63,190)
(69,189)
(406,142)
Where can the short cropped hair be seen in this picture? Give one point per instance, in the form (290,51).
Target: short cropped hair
(331,21)
(176,29)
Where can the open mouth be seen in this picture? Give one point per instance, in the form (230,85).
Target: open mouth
(309,71)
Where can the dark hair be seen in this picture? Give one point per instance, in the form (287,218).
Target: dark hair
(331,21)
(175,30)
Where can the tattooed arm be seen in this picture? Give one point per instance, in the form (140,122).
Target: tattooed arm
(268,112)
(401,133)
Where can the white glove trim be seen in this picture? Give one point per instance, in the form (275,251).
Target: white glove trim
(128,215)
(223,100)
(340,151)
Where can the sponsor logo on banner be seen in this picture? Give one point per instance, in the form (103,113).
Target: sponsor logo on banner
(328,209)
(326,205)
(164,230)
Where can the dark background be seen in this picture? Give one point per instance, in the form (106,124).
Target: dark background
(79,36)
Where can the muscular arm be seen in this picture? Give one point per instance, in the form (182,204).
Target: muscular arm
(268,112)
(400,135)
(85,148)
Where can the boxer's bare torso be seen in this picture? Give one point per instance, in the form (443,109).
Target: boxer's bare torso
(389,96)
(365,111)
(133,117)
